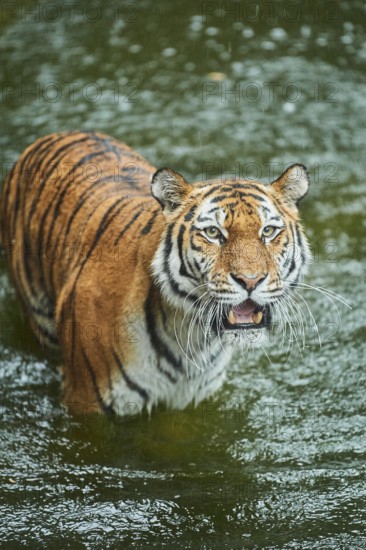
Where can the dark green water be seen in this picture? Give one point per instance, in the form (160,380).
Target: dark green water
(277,459)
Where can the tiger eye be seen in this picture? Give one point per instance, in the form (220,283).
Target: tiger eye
(268,231)
(212,232)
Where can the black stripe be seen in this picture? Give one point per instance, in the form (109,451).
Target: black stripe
(279,206)
(81,201)
(107,409)
(217,375)
(248,205)
(168,246)
(28,307)
(300,243)
(101,228)
(40,236)
(254,196)
(55,157)
(288,258)
(21,164)
(39,157)
(39,311)
(157,343)
(166,373)
(250,186)
(85,195)
(124,201)
(83,198)
(66,243)
(213,209)
(266,209)
(72,296)
(284,247)
(189,264)
(23,177)
(223,291)
(211,191)
(130,383)
(225,189)
(45,332)
(132,220)
(194,246)
(197,265)
(147,228)
(293,262)
(27,255)
(228,205)
(219,198)
(107,143)
(296,280)
(183,268)
(190,214)
(69,181)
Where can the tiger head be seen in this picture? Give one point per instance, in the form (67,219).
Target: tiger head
(234,248)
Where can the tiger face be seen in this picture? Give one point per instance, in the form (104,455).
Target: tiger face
(234,248)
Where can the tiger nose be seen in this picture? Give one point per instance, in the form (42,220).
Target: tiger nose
(250,280)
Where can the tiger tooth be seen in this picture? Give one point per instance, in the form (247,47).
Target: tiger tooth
(231,317)
(257,317)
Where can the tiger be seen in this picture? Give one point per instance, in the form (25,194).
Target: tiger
(138,276)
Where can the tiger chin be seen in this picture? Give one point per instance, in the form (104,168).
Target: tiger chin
(146,282)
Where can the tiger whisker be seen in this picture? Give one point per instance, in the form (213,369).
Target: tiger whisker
(311,315)
(326,292)
(179,337)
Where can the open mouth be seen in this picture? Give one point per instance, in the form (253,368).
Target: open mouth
(248,315)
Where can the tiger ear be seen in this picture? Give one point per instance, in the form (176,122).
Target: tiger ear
(293,184)
(169,188)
